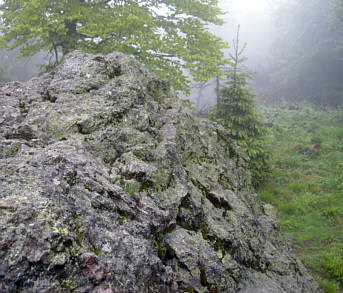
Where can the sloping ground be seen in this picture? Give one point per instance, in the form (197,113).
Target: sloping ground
(110,184)
(306,186)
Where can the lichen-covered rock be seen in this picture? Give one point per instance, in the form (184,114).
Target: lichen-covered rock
(110,184)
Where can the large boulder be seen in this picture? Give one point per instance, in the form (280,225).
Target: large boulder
(108,183)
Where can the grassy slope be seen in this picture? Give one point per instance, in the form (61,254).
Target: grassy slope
(307,186)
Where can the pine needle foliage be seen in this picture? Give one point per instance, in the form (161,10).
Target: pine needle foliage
(236,111)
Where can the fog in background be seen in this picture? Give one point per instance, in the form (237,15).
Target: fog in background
(21,69)
(295,48)
(255,30)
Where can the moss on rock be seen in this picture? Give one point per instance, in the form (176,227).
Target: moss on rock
(120,186)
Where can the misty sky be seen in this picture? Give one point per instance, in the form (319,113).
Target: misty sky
(254,17)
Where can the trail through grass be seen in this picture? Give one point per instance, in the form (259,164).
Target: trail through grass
(307,185)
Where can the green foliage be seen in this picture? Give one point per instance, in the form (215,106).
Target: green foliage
(170,37)
(327,286)
(236,111)
(308,191)
(333,263)
(131,187)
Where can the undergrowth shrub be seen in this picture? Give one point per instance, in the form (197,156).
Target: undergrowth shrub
(333,263)
(327,286)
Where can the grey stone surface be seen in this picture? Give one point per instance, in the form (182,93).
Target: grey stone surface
(108,183)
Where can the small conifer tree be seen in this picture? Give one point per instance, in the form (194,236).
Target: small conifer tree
(236,111)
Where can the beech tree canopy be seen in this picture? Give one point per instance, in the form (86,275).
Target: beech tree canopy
(170,37)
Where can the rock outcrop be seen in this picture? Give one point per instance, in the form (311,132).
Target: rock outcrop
(108,183)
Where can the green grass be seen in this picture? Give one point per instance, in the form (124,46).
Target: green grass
(307,186)
(131,187)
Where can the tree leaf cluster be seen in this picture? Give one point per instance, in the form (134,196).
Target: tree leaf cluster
(170,37)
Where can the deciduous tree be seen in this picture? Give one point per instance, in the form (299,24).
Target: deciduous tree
(171,37)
